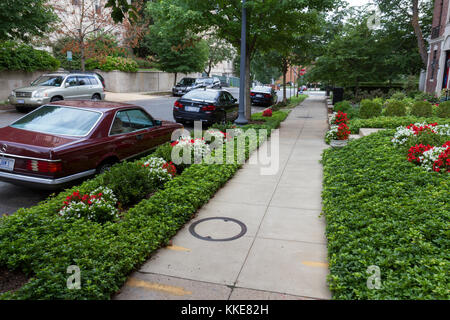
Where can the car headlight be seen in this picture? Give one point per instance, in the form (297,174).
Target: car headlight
(13,93)
(39,94)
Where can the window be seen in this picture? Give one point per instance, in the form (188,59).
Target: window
(72,81)
(48,81)
(59,121)
(83,81)
(433,64)
(202,95)
(93,81)
(127,121)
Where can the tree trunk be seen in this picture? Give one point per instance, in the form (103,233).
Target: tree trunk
(418,31)
(83,63)
(175,80)
(248,103)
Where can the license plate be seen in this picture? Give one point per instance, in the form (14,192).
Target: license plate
(20,101)
(7,164)
(259,95)
(192,109)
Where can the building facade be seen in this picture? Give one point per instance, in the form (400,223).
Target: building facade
(438,68)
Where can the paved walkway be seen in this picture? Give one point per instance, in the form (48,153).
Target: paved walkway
(283,254)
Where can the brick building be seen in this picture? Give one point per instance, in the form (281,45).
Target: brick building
(439,50)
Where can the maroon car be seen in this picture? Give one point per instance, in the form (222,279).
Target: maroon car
(68,140)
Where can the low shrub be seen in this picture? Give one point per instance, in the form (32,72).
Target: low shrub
(343,106)
(109,63)
(399,95)
(443,110)
(383,211)
(422,109)
(369,109)
(395,108)
(22,57)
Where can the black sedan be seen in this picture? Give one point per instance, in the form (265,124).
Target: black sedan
(265,96)
(206,105)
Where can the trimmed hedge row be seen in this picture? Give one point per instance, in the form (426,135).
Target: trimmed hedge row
(382,210)
(391,122)
(41,244)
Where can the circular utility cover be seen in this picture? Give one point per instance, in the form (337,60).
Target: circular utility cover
(226,225)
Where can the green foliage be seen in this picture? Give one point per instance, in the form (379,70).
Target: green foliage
(422,109)
(127,182)
(391,122)
(382,210)
(399,95)
(422,96)
(443,110)
(369,109)
(41,244)
(25,19)
(22,57)
(395,108)
(343,106)
(109,63)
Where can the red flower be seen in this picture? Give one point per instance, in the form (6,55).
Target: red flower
(267,113)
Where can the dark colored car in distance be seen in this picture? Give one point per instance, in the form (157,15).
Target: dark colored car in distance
(209,83)
(184,86)
(206,105)
(65,141)
(265,96)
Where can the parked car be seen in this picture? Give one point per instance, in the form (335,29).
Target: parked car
(209,83)
(206,105)
(64,141)
(184,86)
(265,96)
(58,86)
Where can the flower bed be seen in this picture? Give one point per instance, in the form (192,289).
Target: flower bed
(42,244)
(424,142)
(338,128)
(391,122)
(383,211)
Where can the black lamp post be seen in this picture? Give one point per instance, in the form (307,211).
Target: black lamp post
(241,120)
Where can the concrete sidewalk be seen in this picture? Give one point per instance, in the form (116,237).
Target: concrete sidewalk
(282,255)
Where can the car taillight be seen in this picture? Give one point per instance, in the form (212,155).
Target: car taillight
(268,96)
(209,108)
(44,166)
(252,94)
(178,105)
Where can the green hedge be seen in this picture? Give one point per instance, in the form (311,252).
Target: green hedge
(41,244)
(382,210)
(109,63)
(22,57)
(391,122)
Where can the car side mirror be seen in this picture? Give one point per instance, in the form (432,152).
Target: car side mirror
(66,85)
(158,123)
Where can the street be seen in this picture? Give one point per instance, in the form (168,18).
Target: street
(14,197)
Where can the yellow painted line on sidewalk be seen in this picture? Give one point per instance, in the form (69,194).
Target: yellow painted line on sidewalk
(177,248)
(315,264)
(136,283)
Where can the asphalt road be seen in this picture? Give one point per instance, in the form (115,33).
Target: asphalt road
(14,197)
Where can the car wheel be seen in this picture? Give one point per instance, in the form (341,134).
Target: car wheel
(105,166)
(56,99)
(96,97)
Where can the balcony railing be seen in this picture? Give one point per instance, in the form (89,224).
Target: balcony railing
(435,32)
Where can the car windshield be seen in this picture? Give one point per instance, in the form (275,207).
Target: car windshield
(186,81)
(202,95)
(48,81)
(205,81)
(59,121)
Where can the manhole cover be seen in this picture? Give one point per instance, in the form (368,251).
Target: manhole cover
(218,229)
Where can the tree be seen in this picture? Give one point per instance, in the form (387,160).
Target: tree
(24,19)
(416,14)
(219,50)
(176,49)
(83,20)
(270,22)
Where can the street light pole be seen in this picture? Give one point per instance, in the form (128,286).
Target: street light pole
(241,120)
